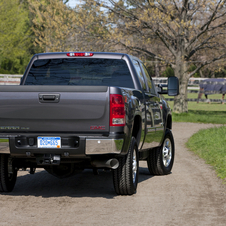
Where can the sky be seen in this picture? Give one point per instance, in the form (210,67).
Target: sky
(72,3)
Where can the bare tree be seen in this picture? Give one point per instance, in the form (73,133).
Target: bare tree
(186,29)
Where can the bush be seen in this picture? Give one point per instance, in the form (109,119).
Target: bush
(169,72)
(3,71)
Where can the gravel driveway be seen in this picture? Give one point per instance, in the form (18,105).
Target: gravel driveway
(191,195)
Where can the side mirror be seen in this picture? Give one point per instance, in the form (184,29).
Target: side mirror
(173,86)
(172,89)
(161,90)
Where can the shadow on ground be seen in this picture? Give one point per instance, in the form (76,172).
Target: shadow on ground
(84,184)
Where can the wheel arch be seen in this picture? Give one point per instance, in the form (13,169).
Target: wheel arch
(168,122)
(137,128)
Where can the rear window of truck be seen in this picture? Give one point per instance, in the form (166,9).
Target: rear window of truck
(81,72)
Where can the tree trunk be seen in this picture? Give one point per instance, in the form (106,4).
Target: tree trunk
(201,74)
(180,101)
(157,69)
(212,74)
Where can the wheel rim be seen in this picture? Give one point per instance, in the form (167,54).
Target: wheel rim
(167,152)
(134,169)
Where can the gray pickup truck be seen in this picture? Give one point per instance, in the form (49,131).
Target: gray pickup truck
(75,111)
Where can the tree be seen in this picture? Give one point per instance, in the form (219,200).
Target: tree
(53,25)
(15,36)
(190,32)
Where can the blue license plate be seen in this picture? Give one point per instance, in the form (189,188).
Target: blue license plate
(49,142)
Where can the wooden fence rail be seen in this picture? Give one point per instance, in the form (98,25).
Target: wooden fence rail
(201,100)
(15,80)
(10,79)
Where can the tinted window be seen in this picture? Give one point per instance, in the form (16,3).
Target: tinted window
(140,74)
(149,80)
(92,72)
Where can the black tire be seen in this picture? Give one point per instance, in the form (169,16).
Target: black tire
(160,160)
(7,179)
(125,177)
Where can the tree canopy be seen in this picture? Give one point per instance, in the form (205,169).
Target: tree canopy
(53,25)
(183,36)
(15,38)
(180,33)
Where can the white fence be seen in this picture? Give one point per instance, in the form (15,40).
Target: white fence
(10,79)
(192,84)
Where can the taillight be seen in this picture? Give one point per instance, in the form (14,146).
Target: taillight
(117,110)
(80,54)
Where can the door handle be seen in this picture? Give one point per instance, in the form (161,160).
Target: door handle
(49,98)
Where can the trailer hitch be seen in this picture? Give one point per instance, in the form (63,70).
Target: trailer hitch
(48,159)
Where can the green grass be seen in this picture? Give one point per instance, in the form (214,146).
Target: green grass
(202,113)
(203,106)
(195,96)
(212,96)
(200,116)
(209,144)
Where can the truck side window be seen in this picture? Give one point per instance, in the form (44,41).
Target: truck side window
(149,80)
(140,74)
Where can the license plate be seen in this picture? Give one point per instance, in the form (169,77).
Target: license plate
(49,142)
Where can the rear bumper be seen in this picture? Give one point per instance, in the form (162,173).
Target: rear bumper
(103,146)
(71,146)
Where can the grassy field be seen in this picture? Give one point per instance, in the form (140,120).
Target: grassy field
(201,106)
(209,144)
(195,96)
(202,112)
(200,116)
(214,96)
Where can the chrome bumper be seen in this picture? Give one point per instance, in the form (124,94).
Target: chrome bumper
(103,146)
(93,146)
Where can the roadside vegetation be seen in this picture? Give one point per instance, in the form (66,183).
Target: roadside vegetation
(201,116)
(202,112)
(209,144)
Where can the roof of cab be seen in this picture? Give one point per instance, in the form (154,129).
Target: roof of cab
(108,55)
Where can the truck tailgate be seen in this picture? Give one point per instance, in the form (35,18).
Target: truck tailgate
(54,109)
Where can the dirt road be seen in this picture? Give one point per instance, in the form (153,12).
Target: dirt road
(191,195)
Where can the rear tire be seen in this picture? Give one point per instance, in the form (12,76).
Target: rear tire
(125,177)
(160,160)
(8,174)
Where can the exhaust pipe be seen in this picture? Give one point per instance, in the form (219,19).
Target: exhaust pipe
(110,163)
